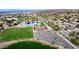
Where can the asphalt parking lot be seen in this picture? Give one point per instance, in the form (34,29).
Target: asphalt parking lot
(52,37)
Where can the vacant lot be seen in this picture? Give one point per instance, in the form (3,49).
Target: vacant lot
(16,33)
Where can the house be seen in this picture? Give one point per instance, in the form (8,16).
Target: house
(1,26)
(12,21)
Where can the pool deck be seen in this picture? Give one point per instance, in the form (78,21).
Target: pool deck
(24,24)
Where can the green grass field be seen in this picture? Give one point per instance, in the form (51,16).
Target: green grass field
(28,45)
(16,33)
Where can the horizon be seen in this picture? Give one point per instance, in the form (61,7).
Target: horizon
(30,10)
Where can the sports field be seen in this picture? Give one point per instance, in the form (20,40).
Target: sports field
(16,33)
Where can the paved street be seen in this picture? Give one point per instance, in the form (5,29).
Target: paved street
(52,37)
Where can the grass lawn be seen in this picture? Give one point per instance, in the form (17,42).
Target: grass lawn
(23,18)
(54,27)
(74,41)
(28,45)
(16,33)
(45,16)
(73,38)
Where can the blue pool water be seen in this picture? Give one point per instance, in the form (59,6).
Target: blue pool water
(24,24)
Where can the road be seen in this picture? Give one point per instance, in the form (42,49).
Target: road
(53,37)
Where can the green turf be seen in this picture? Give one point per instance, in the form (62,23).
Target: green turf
(28,45)
(45,16)
(74,41)
(24,18)
(16,33)
(54,27)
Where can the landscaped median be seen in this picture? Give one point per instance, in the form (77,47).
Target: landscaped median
(16,33)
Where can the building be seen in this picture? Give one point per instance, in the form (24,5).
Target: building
(11,21)
(1,26)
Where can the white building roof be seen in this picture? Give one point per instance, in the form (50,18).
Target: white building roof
(12,18)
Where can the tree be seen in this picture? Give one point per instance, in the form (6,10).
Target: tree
(77,26)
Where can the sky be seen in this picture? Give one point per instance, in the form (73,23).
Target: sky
(38,4)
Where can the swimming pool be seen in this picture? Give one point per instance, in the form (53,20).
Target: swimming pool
(24,24)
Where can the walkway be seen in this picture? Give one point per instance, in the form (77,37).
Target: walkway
(4,44)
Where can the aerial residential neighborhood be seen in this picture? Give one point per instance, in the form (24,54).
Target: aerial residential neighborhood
(40,29)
